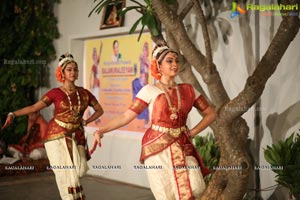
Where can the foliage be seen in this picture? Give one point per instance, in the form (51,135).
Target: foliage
(286,154)
(147,18)
(208,150)
(28,29)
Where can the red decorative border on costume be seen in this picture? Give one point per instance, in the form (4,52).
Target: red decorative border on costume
(201,103)
(181,175)
(138,106)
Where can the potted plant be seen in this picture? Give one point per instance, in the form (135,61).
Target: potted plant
(284,158)
(208,150)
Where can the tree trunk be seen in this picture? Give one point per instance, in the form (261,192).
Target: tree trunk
(230,129)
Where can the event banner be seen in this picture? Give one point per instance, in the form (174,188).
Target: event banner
(115,69)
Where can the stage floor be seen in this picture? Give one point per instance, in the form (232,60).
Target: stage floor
(42,186)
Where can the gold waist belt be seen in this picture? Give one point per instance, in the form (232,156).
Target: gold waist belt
(69,126)
(174,132)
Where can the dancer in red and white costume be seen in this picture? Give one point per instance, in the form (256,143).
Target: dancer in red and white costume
(167,142)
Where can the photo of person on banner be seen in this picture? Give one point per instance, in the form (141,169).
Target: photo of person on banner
(95,77)
(142,80)
(116,54)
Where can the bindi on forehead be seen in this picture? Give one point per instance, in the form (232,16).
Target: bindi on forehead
(71,66)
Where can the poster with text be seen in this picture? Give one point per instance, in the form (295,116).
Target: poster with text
(115,69)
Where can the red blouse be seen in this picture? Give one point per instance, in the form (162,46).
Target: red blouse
(63,113)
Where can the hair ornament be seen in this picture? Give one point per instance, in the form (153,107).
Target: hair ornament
(159,50)
(63,61)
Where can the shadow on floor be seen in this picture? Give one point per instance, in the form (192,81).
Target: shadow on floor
(42,186)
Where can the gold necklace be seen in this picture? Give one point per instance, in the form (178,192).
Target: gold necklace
(69,90)
(167,85)
(172,108)
(76,114)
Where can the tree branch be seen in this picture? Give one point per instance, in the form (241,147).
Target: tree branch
(246,34)
(255,84)
(186,10)
(200,15)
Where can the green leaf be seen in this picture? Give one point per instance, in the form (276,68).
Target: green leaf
(140,35)
(148,2)
(269,157)
(208,150)
(146,19)
(134,26)
(153,25)
(154,31)
(106,3)
(289,140)
(287,157)
(126,9)
(98,5)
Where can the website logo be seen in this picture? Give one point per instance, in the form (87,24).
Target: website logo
(236,10)
(265,9)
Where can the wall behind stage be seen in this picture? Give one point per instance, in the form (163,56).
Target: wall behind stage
(115,69)
(280,100)
(75,27)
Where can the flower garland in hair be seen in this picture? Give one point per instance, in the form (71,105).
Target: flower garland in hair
(154,69)
(58,74)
